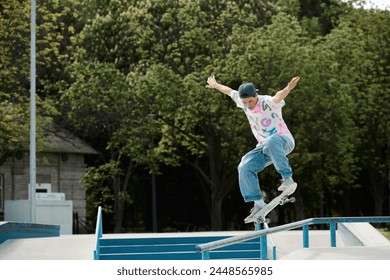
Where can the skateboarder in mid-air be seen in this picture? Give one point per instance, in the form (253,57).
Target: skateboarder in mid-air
(275,141)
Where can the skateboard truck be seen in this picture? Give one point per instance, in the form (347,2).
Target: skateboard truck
(262,220)
(282,199)
(286,200)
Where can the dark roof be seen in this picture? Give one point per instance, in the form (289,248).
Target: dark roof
(62,141)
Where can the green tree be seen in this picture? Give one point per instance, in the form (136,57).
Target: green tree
(97,102)
(13,125)
(13,78)
(319,17)
(53,39)
(139,78)
(136,36)
(326,133)
(369,60)
(272,56)
(209,135)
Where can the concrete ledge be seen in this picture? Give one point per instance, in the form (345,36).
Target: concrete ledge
(15,230)
(361,234)
(343,253)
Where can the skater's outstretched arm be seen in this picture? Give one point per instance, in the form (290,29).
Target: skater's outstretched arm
(212,83)
(281,94)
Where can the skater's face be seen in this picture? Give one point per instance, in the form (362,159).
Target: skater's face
(249,102)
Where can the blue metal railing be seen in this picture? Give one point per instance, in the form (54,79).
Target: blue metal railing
(98,233)
(264,254)
(262,233)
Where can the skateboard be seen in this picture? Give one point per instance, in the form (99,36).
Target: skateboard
(281,199)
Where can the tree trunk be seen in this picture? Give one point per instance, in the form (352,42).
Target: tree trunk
(118,208)
(216,212)
(119,203)
(377,190)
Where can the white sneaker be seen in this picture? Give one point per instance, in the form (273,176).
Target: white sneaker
(255,209)
(285,184)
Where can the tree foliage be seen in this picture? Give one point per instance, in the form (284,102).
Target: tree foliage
(128,76)
(55,32)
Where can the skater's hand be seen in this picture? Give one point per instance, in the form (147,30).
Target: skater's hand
(282,94)
(293,83)
(211,82)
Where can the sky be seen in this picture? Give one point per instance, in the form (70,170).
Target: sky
(381,4)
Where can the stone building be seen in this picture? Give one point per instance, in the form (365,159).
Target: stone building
(59,167)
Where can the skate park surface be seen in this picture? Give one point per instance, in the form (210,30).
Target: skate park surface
(358,241)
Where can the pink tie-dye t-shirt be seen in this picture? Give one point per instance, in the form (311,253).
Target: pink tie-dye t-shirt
(266,119)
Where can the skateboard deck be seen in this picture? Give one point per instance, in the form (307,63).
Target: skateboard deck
(281,199)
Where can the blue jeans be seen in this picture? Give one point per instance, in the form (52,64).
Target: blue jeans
(274,150)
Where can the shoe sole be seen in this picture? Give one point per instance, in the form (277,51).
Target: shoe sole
(250,217)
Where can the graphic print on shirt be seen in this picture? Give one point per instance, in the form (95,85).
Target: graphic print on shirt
(266,118)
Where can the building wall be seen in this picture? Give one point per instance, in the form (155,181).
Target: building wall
(62,171)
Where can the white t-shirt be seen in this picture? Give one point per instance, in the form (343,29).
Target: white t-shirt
(266,119)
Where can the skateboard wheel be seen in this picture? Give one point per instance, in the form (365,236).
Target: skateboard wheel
(260,220)
(292,200)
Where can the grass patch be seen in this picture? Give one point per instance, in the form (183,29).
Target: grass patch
(385,232)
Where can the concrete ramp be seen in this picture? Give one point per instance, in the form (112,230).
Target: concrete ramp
(361,234)
(341,253)
(360,241)
(65,247)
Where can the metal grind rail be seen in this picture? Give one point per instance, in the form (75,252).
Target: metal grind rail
(262,233)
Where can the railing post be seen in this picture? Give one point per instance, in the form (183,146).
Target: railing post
(263,243)
(274,252)
(205,255)
(98,233)
(332,225)
(272,244)
(305,231)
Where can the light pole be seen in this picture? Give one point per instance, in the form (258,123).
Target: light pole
(32,112)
